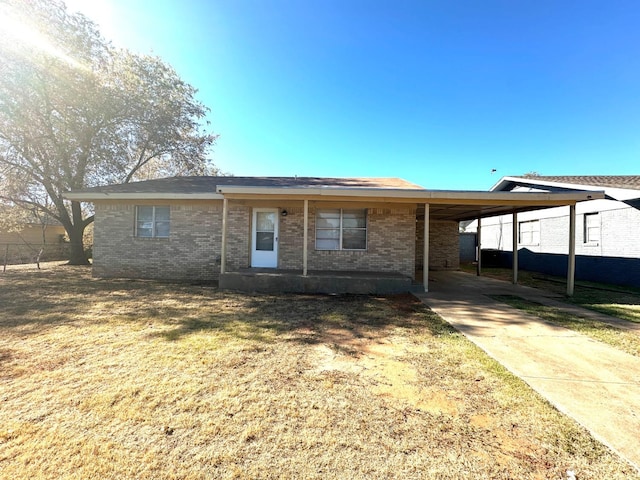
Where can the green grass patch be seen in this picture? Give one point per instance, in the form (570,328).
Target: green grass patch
(614,300)
(616,337)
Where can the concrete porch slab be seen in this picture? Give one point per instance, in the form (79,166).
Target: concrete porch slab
(266,280)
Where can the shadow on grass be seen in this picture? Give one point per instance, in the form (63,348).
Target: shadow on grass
(616,304)
(614,300)
(551,314)
(35,301)
(312,319)
(611,300)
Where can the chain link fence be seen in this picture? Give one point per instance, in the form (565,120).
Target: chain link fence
(26,253)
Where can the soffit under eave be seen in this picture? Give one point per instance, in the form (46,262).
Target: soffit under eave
(460,213)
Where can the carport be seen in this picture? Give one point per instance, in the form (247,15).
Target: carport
(466,205)
(431,205)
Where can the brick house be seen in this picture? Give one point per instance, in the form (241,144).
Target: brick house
(607,246)
(354,235)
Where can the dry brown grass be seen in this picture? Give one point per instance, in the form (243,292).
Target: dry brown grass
(124,379)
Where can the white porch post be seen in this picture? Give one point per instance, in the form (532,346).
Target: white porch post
(425,253)
(305,236)
(571,271)
(223,246)
(514,236)
(478,239)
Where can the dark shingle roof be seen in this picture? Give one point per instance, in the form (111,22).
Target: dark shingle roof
(612,181)
(210,184)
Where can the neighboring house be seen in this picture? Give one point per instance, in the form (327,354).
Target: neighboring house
(24,245)
(606,230)
(287,234)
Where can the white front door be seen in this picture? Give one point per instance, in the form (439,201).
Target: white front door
(264,243)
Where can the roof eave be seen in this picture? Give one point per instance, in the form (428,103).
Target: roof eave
(97,196)
(425,196)
(357,194)
(533,182)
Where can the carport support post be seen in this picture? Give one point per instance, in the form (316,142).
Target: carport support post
(514,236)
(478,239)
(223,246)
(425,253)
(305,236)
(571,270)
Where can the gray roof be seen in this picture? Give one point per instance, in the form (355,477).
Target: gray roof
(445,204)
(612,181)
(204,184)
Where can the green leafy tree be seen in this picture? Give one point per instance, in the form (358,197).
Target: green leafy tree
(76,112)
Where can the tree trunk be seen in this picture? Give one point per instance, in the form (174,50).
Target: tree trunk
(75,229)
(77,255)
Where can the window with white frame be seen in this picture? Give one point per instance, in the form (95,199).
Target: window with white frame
(529,232)
(152,221)
(591,233)
(341,229)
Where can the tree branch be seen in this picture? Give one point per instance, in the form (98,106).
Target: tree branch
(88,220)
(39,206)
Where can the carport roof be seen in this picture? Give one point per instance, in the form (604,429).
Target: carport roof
(455,205)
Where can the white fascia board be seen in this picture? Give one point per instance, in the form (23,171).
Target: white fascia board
(503,181)
(92,197)
(416,195)
(533,183)
(420,196)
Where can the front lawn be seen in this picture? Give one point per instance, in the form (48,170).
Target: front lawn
(133,379)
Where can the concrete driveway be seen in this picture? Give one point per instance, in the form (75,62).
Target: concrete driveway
(593,383)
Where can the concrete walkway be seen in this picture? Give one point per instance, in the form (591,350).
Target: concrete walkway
(593,383)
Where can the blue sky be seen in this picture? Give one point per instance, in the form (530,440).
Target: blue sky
(436,92)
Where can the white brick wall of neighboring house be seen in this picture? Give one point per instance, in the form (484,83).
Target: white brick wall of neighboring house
(618,223)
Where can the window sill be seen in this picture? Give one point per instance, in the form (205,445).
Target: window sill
(344,250)
(152,239)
